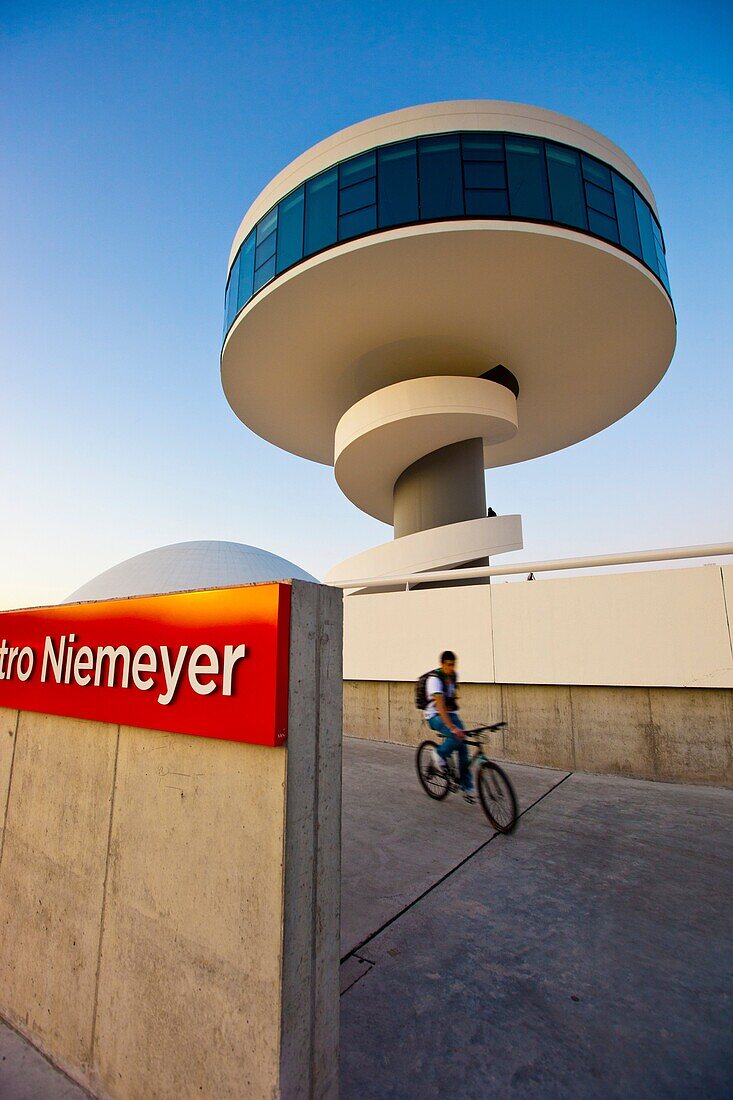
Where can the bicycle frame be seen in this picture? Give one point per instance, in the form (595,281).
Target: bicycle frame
(452,769)
(479,757)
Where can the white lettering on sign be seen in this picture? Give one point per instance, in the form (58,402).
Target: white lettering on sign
(207,669)
(83,663)
(232,654)
(145,660)
(26,661)
(69,658)
(49,656)
(23,659)
(112,656)
(172,675)
(204,659)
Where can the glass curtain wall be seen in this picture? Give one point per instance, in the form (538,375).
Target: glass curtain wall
(442,177)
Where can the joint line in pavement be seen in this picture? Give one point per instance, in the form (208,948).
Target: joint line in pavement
(367,939)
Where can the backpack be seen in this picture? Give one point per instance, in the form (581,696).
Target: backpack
(421,694)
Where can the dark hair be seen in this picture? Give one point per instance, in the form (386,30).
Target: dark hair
(447,655)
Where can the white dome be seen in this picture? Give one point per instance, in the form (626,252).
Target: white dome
(188,565)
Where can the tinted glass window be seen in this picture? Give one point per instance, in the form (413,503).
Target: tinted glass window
(321,211)
(599,199)
(662,262)
(441,183)
(603,226)
(360,194)
(662,268)
(358,168)
(478,173)
(488,203)
(265,250)
(644,218)
(398,184)
(423,179)
(290,229)
(361,221)
(483,147)
(566,186)
(628,230)
(231,302)
(525,165)
(659,248)
(266,225)
(265,273)
(246,269)
(596,173)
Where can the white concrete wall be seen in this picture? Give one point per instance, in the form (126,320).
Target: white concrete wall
(398,635)
(727,572)
(661,628)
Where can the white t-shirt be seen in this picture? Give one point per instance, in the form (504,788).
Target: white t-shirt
(434,686)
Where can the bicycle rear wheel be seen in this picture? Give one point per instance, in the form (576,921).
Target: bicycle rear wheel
(497,796)
(433,781)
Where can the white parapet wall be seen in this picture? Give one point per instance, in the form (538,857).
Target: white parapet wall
(390,635)
(659,628)
(624,674)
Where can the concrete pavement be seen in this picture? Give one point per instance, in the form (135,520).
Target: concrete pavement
(26,1075)
(587,955)
(397,842)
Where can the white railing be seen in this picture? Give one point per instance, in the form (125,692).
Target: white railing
(638,557)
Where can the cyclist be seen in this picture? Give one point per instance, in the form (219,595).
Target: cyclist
(441,714)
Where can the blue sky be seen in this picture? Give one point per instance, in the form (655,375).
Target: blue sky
(134,138)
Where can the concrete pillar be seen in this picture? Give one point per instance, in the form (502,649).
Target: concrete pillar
(169,905)
(446,486)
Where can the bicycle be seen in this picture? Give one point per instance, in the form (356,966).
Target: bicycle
(495,791)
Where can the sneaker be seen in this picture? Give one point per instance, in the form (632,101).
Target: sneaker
(468,797)
(438,761)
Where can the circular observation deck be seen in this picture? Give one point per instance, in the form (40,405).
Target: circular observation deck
(437,243)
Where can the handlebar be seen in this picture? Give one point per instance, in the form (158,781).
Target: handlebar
(482,729)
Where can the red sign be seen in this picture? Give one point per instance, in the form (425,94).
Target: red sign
(210,663)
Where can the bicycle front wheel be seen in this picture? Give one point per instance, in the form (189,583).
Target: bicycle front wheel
(497,796)
(434,782)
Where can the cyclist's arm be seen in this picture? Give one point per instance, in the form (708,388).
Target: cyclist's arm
(439,700)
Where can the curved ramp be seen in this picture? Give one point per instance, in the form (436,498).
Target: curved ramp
(441,548)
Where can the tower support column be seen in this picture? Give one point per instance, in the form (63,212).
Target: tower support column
(445,486)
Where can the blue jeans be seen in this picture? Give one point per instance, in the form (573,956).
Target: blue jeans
(452,744)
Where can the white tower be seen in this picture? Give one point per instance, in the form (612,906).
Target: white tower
(439,291)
